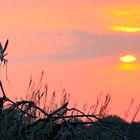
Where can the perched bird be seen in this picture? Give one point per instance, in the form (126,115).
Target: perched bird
(2,51)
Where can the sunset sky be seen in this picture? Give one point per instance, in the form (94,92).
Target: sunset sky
(78,44)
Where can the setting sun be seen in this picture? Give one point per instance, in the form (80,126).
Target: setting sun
(128,58)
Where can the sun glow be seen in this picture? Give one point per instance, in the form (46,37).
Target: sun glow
(124,13)
(128,58)
(128,63)
(126,29)
(129,67)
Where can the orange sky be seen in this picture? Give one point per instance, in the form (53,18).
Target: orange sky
(78,44)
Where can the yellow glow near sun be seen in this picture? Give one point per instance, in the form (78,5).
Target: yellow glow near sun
(128,58)
(124,12)
(126,29)
(129,67)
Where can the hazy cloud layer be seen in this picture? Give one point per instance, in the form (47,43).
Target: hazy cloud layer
(88,45)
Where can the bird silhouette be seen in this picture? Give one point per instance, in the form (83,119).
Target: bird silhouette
(2,51)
